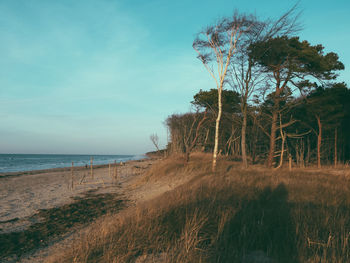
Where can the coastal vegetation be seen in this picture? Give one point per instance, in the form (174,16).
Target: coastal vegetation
(240,215)
(276,99)
(240,177)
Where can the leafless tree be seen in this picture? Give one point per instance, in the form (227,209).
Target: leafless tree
(155,140)
(188,131)
(192,134)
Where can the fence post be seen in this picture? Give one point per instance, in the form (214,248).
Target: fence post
(115,170)
(72,174)
(91,170)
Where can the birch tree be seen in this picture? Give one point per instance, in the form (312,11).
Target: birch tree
(215,47)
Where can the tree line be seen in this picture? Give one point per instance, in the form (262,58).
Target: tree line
(276,96)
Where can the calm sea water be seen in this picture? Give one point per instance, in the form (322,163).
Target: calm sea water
(28,162)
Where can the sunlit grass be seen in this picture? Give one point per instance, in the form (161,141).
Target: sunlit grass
(235,215)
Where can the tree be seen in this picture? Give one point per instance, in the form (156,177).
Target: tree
(246,74)
(191,137)
(290,62)
(155,140)
(230,109)
(209,100)
(186,132)
(325,105)
(215,46)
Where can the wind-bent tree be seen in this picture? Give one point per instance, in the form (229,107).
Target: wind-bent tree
(215,47)
(246,74)
(290,62)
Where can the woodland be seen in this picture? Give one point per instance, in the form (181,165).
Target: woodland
(277,97)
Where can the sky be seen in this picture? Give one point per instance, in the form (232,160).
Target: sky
(101,76)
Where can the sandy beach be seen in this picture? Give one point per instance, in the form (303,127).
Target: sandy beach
(29,201)
(22,195)
(25,196)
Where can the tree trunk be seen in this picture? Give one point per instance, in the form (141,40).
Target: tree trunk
(187,157)
(217,124)
(335,148)
(319,141)
(254,142)
(290,162)
(206,137)
(243,137)
(302,153)
(272,139)
(308,151)
(283,137)
(282,150)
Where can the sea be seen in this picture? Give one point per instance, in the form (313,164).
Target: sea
(29,162)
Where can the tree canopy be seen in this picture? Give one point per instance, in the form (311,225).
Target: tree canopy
(292,60)
(266,60)
(209,100)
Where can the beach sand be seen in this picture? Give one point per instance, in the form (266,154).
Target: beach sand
(22,195)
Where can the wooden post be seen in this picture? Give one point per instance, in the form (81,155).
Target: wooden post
(115,170)
(109,170)
(72,174)
(91,170)
(290,162)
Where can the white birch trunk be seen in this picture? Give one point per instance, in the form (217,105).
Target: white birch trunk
(217,125)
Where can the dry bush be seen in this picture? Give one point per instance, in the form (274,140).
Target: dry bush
(234,216)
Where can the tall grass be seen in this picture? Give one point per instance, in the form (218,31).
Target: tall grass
(254,215)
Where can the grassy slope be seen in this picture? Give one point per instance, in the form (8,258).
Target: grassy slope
(235,216)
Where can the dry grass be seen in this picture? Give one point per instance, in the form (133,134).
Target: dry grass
(175,167)
(234,216)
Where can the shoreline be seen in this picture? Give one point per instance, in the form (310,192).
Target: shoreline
(65,169)
(26,201)
(24,194)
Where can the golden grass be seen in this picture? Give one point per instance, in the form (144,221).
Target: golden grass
(235,215)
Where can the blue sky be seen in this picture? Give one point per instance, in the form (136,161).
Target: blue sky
(100,76)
